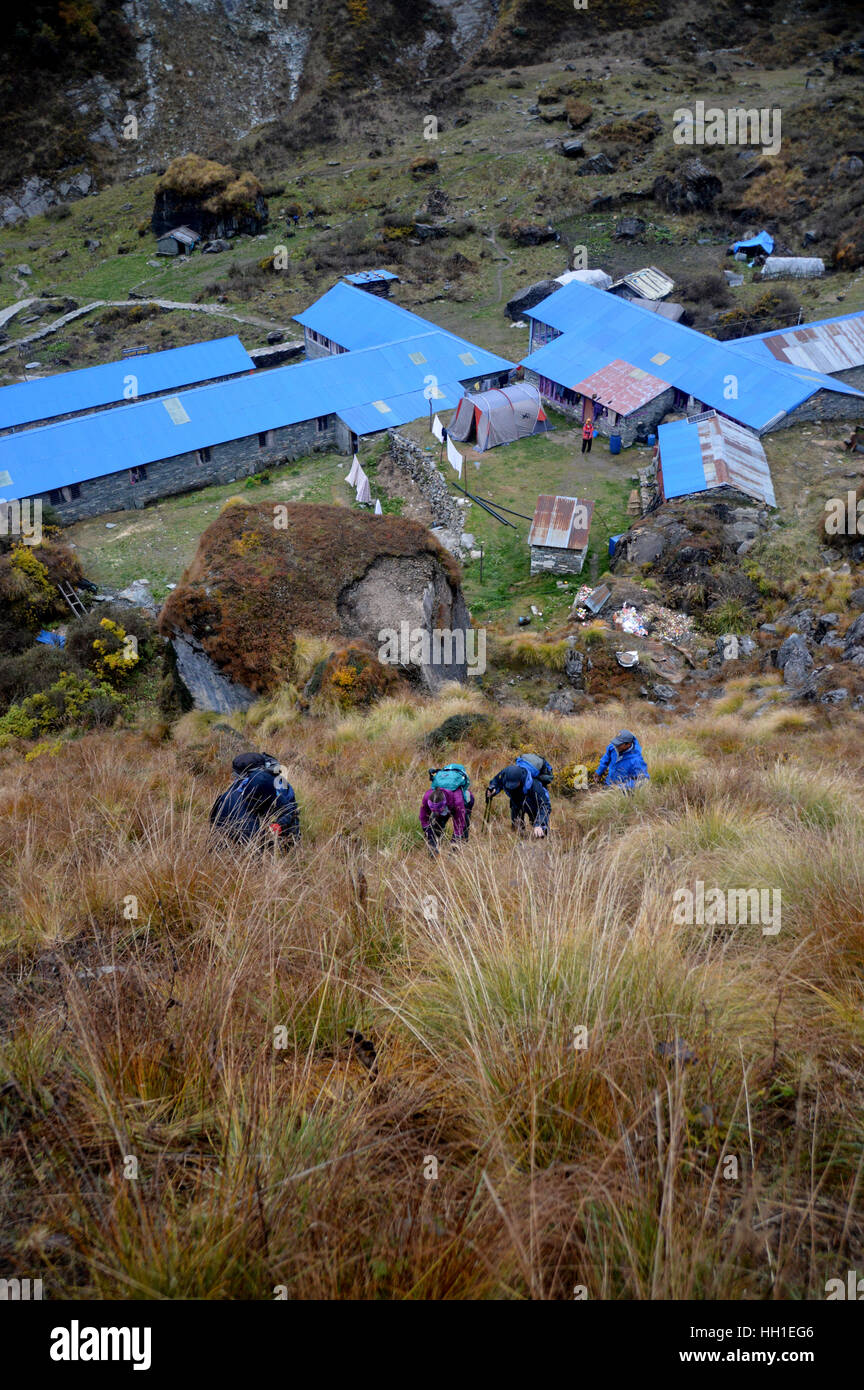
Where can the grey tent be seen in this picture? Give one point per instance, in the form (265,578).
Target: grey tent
(499,416)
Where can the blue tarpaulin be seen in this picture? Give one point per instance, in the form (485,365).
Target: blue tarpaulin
(51,639)
(763,241)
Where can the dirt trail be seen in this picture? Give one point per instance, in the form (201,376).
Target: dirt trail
(214,310)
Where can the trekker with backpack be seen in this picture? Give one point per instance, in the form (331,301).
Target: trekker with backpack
(526,782)
(259,802)
(448,798)
(622,765)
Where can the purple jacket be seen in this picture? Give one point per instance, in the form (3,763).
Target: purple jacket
(440,803)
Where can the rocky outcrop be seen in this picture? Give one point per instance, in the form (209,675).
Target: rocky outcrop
(526,299)
(207,685)
(211,198)
(37,195)
(265,573)
(692,188)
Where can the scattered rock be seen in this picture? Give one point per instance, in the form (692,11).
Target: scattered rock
(627,228)
(597,164)
(561,702)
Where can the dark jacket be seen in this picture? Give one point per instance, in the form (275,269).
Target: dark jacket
(252,801)
(527,795)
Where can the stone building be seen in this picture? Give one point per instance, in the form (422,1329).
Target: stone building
(130,455)
(558,539)
(594,353)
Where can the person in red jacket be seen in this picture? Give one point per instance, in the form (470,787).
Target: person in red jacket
(587,435)
(440,806)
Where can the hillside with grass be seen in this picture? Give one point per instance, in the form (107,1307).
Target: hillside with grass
(624,1062)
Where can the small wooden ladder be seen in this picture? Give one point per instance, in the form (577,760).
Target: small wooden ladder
(72,598)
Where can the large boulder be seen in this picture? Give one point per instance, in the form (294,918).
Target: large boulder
(526,299)
(264,573)
(692,188)
(794,660)
(211,198)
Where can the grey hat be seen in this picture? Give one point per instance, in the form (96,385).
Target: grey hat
(623,738)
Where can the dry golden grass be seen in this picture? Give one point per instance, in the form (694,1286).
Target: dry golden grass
(213,1052)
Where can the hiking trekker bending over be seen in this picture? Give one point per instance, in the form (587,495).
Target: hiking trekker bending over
(623,765)
(448,798)
(525,781)
(259,800)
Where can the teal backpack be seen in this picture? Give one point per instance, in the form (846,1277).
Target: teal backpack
(452,778)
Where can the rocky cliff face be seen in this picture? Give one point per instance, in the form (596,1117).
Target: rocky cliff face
(158,78)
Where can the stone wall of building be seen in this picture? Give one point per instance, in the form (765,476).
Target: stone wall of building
(548,559)
(825,405)
(237,458)
(854,376)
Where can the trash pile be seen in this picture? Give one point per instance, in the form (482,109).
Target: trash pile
(667,624)
(629,620)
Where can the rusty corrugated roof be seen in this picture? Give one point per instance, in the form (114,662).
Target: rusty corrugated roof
(823,347)
(622,387)
(562,522)
(732,455)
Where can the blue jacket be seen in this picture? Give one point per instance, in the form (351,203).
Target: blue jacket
(623,769)
(240,811)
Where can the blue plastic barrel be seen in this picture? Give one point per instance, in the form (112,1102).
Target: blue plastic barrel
(651,440)
(614,443)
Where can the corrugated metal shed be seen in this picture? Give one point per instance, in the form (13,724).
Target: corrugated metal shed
(829,345)
(354,319)
(369,277)
(697,455)
(185,235)
(91,446)
(91,387)
(622,387)
(648,283)
(664,307)
(558,523)
(597,328)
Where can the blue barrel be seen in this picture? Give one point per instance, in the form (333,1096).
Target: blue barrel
(651,440)
(614,443)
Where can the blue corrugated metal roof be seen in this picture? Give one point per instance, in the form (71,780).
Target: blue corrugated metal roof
(170,370)
(354,319)
(90,446)
(681,457)
(597,328)
(366,419)
(369,277)
(763,241)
